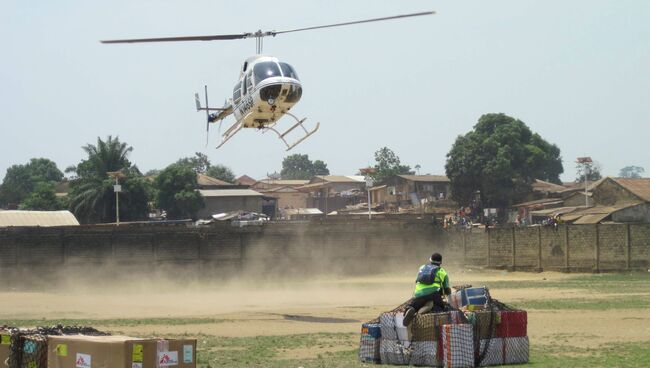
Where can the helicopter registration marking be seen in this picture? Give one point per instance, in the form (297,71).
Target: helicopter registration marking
(246,105)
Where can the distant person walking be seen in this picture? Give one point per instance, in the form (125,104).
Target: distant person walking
(431,284)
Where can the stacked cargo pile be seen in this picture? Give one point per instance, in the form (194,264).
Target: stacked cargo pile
(476,331)
(64,347)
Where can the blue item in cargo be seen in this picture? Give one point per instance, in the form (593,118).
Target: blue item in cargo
(372,329)
(473,296)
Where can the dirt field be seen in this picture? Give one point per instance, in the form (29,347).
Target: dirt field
(335,305)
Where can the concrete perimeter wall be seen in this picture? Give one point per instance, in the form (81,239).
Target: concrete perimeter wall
(353,247)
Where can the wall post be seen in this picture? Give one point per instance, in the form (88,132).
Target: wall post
(514,248)
(489,255)
(464,248)
(566,243)
(539,249)
(628,248)
(597,250)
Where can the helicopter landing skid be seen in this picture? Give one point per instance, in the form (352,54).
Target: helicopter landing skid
(299,123)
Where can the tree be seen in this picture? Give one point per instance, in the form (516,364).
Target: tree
(592,169)
(388,165)
(43,198)
(300,167)
(200,163)
(631,172)
(91,196)
(499,160)
(21,180)
(320,168)
(221,172)
(175,192)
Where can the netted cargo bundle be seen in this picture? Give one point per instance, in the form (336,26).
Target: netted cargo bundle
(28,347)
(369,344)
(458,346)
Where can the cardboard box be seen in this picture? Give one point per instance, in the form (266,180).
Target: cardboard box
(79,351)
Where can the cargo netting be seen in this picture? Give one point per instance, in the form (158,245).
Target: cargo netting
(28,347)
(490,334)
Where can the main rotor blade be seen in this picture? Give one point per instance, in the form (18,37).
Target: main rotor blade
(187,38)
(355,22)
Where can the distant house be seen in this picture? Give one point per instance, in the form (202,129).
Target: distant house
(287,197)
(332,192)
(228,200)
(268,183)
(207,182)
(245,180)
(37,218)
(617,200)
(411,190)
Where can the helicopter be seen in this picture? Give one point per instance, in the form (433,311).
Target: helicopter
(267,87)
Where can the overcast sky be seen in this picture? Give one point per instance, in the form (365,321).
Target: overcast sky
(577,72)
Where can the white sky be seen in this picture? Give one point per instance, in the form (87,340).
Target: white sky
(577,72)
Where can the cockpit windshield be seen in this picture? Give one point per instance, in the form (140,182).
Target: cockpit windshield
(288,71)
(266,69)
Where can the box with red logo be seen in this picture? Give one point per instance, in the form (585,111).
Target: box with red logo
(81,351)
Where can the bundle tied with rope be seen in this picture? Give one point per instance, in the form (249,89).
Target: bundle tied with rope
(28,347)
(469,335)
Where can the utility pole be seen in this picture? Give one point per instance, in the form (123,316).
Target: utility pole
(117,188)
(585,162)
(369,183)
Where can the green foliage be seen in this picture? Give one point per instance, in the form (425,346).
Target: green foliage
(300,167)
(91,193)
(43,198)
(500,158)
(388,165)
(21,180)
(591,168)
(200,163)
(634,172)
(221,172)
(176,192)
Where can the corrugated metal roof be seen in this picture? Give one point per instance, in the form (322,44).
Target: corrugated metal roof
(591,219)
(230,193)
(545,186)
(203,179)
(302,211)
(37,218)
(245,180)
(426,178)
(554,211)
(544,201)
(596,214)
(640,187)
(284,182)
(340,178)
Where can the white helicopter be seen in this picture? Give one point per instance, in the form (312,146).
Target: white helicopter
(267,88)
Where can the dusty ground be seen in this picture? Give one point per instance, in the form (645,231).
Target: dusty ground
(323,305)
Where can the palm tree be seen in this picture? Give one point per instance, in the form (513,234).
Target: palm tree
(91,195)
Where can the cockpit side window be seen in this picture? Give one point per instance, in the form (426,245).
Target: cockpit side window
(288,71)
(249,82)
(266,69)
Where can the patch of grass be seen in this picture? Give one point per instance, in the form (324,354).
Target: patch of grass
(270,351)
(612,355)
(610,283)
(632,302)
(118,322)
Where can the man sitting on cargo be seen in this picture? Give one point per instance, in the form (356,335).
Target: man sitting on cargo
(431,284)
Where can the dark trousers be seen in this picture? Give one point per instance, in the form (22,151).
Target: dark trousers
(419,302)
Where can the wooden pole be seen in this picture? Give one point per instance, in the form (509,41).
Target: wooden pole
(597,250)
(566,243)
(539,249)
(514,249)
(628,248)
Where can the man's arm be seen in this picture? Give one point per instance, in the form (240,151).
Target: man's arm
(445,285)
